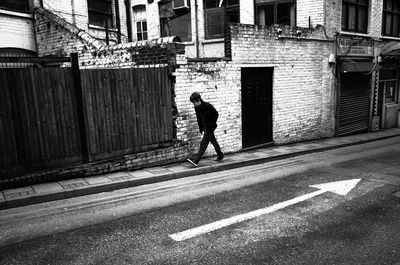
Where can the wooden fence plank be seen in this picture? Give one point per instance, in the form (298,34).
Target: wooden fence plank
(35,83)
(67,144)
(33,132)
(131,109)
(71,115)
(7,142)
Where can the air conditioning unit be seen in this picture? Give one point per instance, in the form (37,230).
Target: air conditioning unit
(181,7)
(181,4)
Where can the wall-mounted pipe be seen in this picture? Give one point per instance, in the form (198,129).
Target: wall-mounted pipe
(196,9)
(128,7)
(118,21)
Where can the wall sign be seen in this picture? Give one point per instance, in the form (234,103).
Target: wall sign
(351,46)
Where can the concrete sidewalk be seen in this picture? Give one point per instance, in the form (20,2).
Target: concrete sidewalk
(82,186)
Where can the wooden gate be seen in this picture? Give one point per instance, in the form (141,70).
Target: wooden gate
(126,110)
(51,117)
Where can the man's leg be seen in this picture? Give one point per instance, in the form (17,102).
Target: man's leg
(203,146)
(217,148)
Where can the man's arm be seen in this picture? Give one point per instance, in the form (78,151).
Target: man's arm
(199,122)
(214,113)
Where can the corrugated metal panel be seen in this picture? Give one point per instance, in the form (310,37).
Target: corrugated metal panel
(354,103)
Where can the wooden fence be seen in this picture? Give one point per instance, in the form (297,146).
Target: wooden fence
(126,110)
(48,119)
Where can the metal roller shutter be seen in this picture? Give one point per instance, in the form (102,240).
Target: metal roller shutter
(354,103)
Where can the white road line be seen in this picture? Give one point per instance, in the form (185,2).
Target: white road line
(339,187)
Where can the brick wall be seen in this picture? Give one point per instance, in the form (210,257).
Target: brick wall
(310,12)
(135,54)
(75,12)
(54,39)
(303,82)
(303,86)
(217,82)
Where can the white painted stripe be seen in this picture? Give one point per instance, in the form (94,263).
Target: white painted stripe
(240,218)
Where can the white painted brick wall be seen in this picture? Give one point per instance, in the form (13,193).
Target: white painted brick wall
(217,84)
(303,90)
(75,12)
(309,9)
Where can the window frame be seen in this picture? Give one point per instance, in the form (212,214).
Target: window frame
(275,7)
(173,26)
(109,16)
(222,10)
(345,17)
(144,35)
(393,13)
(7,6)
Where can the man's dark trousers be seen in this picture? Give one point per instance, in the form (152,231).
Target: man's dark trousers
(207,138)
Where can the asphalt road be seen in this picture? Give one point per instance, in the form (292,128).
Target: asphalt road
(135,226)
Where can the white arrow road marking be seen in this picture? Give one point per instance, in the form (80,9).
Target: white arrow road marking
(338,187)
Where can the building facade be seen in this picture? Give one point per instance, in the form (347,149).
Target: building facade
(278,71)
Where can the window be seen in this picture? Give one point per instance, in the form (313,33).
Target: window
(140,23)
(271,12)
(391,18)
(175,19)
(355,15)
(217,14)
(100,13)
(387,85)
(15,5)
(390,91)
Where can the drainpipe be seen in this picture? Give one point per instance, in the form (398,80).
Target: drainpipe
(73,12)
(196,22)
(118,21)
(128,19)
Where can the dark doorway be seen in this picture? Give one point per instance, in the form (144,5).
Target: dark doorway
(256,106)
(354,103)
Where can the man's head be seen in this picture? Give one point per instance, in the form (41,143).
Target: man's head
(195,98)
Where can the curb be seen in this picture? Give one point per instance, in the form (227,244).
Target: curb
(104,187)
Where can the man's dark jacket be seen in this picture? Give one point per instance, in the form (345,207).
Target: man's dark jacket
(207,117)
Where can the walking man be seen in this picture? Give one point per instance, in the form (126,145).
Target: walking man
(207,117)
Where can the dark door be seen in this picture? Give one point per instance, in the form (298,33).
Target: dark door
(354,103)
(256,106)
